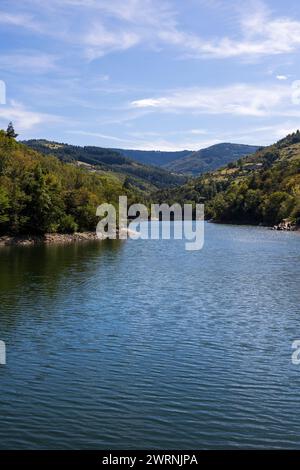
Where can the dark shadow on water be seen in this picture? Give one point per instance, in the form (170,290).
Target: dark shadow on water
(42,271)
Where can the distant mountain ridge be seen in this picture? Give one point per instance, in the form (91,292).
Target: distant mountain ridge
(210,158)
(159,168)
(189,162)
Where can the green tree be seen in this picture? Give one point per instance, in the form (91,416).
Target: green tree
(10,132)
(45,208)
(276,207)
(4,209)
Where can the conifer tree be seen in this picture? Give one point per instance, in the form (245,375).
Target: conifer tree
(10,132)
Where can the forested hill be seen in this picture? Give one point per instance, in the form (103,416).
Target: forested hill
(192,163)
(143,176)
(210,158)
(170,167)
(263,188)
(40,194)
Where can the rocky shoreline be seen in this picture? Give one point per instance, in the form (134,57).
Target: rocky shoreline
(48,238)
(64,238)
(286,225)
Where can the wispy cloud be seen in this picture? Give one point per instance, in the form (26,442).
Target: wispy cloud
(23,118)
(139,12)
(281,77)
(263,135)
(100,136)
(260,35)
(72,67)
(148,141)
(120,25)
(28,61)
(156,24)
(17,19)
(100,41)
(239,99)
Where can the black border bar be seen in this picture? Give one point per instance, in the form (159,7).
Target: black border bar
(138,458)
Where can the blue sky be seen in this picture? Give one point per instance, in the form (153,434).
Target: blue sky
(151,74)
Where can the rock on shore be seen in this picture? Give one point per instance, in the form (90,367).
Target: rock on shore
(286,225)
(48,238)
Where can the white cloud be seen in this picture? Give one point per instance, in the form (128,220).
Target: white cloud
(274,37)
(177,132)
(155,24)
(120,25)
(281,77)
(139,12)
(100,41)
(150,103)
(28,61)
(197,131)
(240,99)
(23,118)
(15,19)
(138,143)
(99,135)
(166,146)
(262,135)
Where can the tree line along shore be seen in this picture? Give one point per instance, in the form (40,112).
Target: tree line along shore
(43,199)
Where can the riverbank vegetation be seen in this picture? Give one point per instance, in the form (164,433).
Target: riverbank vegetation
(263,188)
(40,194)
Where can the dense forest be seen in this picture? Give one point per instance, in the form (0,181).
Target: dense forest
(40,194)
(263,188)
(145,177)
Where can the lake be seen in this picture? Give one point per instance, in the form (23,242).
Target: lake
(141,344)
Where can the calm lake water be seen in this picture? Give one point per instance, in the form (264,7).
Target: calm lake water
(141,344)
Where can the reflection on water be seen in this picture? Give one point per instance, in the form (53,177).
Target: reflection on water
(42,273)
(140,344)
